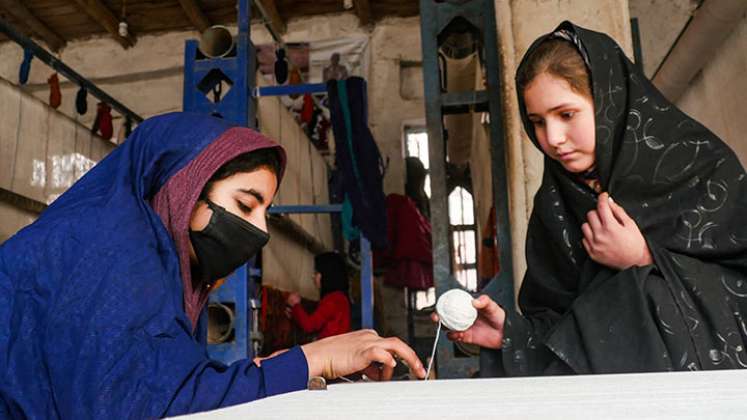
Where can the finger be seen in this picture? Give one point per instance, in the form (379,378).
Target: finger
(434,317)
(588,233)
(603,210)
(487,306)
(404,352)
(620,214)
(455,335)
(386,361)
(593,219)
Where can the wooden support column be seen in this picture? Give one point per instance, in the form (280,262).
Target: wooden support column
(195,15)
(23,14)
(363,11)
(104,17)
(269,10)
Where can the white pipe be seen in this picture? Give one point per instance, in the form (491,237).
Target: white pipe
(712,23)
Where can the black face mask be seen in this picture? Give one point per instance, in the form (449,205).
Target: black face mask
(227,242)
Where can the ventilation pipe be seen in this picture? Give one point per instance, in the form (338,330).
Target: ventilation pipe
(711,24)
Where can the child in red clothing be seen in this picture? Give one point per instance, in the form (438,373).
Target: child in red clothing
(332,316)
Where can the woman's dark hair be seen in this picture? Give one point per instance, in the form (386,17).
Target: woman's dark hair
(559,58)
(247,162)
(333,269)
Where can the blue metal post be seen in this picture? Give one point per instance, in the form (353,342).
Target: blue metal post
(236,74)
(366,284)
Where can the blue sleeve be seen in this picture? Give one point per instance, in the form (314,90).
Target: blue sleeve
(214,385)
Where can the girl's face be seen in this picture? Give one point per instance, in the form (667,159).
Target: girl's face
(245,194)
(563,122)
(317,280)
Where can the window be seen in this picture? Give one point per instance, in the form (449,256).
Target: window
(463,233)
(417,146)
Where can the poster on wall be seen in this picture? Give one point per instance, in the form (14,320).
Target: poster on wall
(314,62)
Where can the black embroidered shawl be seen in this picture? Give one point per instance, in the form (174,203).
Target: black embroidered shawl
(686,191)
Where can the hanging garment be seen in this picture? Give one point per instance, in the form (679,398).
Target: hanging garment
(281,66)
(25,68)
(358,157)
(408,260)
(686,191)
(96,298)
(307,110)
(103,122)
(81,101)
(55,96)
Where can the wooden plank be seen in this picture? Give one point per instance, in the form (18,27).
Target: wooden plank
(363,11)
(277,21)
(104,17)
(23,14)
(195,15)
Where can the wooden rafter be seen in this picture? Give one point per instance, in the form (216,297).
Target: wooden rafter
(276,21)
(23,14)
(104,17)
(363,11)
(195,15)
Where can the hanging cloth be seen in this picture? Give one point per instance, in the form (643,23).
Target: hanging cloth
(55,95)
(358,157)
(81,101)
(281,66)
(103,122)
(25,68)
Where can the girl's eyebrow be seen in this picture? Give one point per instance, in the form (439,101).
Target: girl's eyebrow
(256,194)
(555,108)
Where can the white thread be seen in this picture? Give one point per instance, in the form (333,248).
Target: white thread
(455,310)
(433,353)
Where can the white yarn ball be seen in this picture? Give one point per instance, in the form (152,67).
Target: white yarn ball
(455,310)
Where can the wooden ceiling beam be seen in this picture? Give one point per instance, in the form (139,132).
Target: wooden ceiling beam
(23,14)
(104,17)
(195,15)
(363,11)
(271,10)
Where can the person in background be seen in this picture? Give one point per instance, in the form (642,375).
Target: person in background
(332,316)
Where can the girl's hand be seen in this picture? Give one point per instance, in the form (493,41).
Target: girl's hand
(612,238)
(357,351)
(487,331)
(293,299)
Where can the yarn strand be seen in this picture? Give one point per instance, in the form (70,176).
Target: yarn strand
(433,352)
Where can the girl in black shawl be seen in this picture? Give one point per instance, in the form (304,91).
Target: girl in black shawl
(654,280)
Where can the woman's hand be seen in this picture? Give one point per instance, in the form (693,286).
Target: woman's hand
(487,331)
(353,352)
(612,238)
(293,299)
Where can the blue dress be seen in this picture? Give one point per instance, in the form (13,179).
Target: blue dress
(92,320)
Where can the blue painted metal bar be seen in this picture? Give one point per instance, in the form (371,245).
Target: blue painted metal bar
(234,291)
(290,89)
(330,208)
(66,71)
(366,284)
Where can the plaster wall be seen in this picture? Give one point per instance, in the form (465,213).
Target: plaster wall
(716,96)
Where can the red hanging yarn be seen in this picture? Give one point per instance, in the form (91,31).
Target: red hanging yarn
(104,120)
(55,96)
